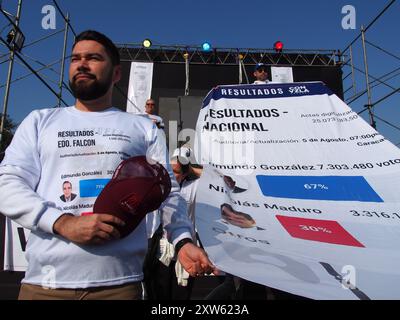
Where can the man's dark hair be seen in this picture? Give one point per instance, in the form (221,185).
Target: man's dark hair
(103,40)
(65,182)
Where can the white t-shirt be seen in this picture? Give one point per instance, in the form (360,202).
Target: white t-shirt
(64,144)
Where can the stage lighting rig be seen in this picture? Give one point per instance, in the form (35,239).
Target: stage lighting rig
(278,46)
(146,43)
(16,39)
(206,46)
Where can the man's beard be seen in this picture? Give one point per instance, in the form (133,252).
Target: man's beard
(90,91)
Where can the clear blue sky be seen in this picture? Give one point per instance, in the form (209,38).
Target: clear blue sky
(308,24)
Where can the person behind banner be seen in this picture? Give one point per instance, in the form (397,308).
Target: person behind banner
(79,256)
(150,112)
(261,74)
(165,279)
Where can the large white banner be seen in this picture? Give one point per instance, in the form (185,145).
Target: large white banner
(139,88)
(298,193)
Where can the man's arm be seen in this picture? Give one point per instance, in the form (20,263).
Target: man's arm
(174,216)
(20,172)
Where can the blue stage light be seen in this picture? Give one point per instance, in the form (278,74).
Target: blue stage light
(206,46)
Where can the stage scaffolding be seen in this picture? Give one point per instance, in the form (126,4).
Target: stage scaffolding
(354,89)
(230,56)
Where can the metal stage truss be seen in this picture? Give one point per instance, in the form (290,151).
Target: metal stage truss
(229,56)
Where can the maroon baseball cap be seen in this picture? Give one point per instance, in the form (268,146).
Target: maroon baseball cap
(136,188)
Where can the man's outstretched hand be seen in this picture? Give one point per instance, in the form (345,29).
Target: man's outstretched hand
(195,261)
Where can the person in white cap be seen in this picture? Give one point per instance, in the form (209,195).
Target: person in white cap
(167,278)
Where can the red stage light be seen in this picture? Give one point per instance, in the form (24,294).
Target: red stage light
(278,46)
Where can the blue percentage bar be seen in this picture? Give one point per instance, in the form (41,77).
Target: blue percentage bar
(92,187)
(336,188)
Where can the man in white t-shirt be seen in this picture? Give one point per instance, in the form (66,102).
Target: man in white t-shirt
(73,253)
